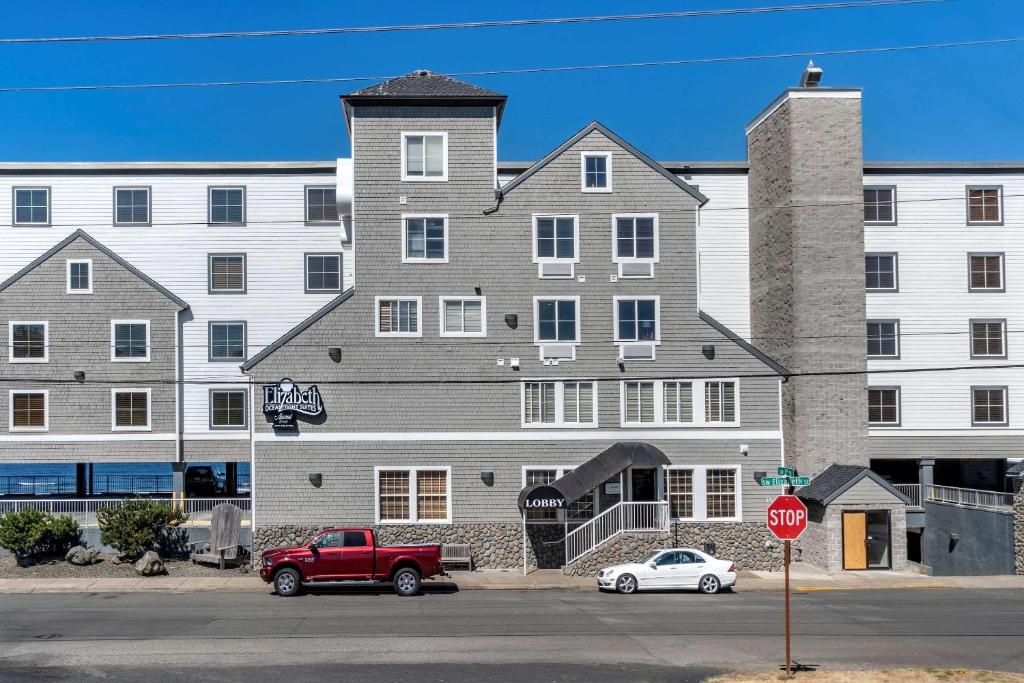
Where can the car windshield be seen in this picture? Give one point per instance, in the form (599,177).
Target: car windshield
(648,557)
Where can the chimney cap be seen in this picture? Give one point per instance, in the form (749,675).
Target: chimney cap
(811,76)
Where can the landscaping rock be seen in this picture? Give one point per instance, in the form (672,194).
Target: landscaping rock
(81,555)
(150,564)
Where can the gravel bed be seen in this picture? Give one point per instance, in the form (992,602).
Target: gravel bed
(107,569)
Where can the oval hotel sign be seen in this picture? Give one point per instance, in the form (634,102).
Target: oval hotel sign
(543,497)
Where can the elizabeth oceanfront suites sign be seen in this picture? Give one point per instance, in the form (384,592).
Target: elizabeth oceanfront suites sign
(284,400)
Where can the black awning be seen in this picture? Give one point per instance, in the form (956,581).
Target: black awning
(602,467)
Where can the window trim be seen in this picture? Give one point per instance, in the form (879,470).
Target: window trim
(700,484)
(209,205)
(967,204)
(560,471)
(583,172)
(209,341)
(149,205)
(1006,404)
(634,259)
(413,493)
(556,259)
(970,335)
(405,238)
(899,405)
(895,272)
(46,410)
(559,422)
(113,341)
(113,409)
(46,341)
(245,408)
(895,204)
(537,341)
(696,404)
(635,342)
(245,273)
(442,319)
(14,206)
(67,272)
(1002,270)
(305,204)
(406,134)
(419,316)
(305,272)
(899,346)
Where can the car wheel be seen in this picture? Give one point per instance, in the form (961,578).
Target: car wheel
(709,584)
(407,582)
(626,584)
(287,582)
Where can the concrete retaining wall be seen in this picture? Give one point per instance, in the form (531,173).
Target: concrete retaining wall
(985,544)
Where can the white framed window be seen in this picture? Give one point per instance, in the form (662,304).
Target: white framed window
(883,338)
(227,340)
(556,245)
(704,493)
(79,276)
(31,206)
(984,204)
(412,495)
(880,205)
(988,406)
(985,272)
(229,408)
(884,406)
(881,272)
(424,156)
(323,273)
(28,341)
(321,204)
(635,244)
(637,323)
(988,338)
(227,205)
(464,316)
(596,171)
(559,403)
(227,273)
(28,410)
(129,341)
(130,410)
(556,328)
(398,316)
(579,511)
(674,403)
(131,206)
(424,238)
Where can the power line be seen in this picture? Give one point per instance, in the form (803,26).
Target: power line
(499,23)
(516,72)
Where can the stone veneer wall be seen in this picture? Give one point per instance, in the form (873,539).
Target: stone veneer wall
(1018,530)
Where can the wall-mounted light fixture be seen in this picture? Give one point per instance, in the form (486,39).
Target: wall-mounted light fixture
(335,353)
(316,479)
(744,449)
(513,363)
(487,477)
(512,320)
(79,375)
(478,290)
(954,538)
(708,350)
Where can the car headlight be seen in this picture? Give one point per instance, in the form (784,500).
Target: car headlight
(267,561)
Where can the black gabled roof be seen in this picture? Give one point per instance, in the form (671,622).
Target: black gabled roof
(744,344)
(837,479)
(598,126)
(81,234)
(425,88)
(298,329)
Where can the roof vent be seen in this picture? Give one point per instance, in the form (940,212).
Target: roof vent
(424,72)
(811,76)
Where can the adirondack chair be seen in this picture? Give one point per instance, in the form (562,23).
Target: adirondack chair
(225,530)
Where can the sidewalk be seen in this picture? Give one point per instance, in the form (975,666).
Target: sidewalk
(804,580)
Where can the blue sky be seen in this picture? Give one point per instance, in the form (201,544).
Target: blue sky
(954,104)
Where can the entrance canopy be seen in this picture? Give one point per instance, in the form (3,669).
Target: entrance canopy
(594,472)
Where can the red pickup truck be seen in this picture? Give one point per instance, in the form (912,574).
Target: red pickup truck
(349,556)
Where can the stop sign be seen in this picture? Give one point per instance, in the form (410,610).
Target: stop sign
(787,518)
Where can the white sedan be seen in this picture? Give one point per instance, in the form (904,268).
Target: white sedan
(675,568)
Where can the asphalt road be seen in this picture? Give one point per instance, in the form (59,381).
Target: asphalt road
(497,635)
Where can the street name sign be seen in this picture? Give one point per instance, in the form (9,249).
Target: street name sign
(774,481)
(785,471)
(799,481)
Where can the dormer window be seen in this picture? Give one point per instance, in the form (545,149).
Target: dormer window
(424,156)
(596,171)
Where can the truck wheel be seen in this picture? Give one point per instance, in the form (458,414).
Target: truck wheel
(407,581)
(287,582)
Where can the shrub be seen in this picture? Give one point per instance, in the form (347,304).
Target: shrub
(138,525)
(31,533)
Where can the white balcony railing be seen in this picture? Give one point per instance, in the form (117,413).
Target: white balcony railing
(645,517)
(83,510)
(970,498)
(911,491)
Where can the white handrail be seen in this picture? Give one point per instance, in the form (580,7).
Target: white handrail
(83,510)
(973,498)
(624,516)
(911,491)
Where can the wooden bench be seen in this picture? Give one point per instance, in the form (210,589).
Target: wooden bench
(456,553)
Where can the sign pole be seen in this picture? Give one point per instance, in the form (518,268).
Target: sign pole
(787,520)
(785,563)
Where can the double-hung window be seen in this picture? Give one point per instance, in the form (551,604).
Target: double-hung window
(986,273)
(596,171)
(79,276)
(398,317)
(228,408)
(131,206)
(227,341)
(227,273)
(463,316)
(557,326)
(130,410)
(880,205)
(227,205)
(988,339)
(880,273)
(323,273)
(988,406)
(28,341)
(129,341)
(719,402)
(413,495)
(426,239)
(883,338)
(722,487)
(703,493)
(555,245)
(568,403)
(321,205)
(637,327)
(884,406)
(424,156)
(32,206)
(29,411)
(636,244)
(985,205)
(581,510)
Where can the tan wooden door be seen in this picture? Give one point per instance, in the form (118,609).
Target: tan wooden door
(855,540)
